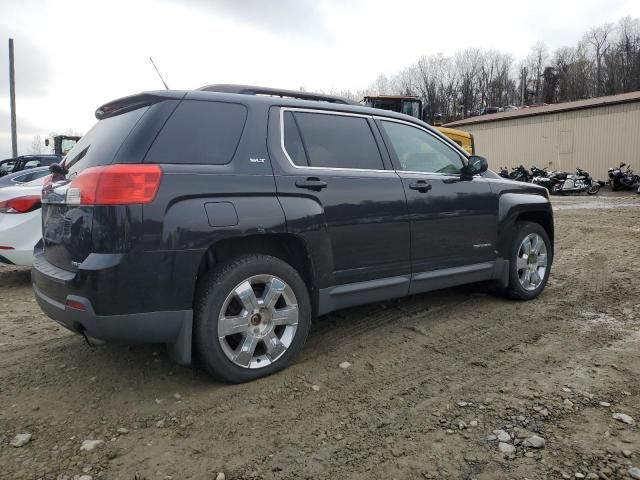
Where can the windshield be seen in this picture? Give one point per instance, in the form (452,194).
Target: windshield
(411,107)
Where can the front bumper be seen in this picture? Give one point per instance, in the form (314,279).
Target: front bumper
(171,327)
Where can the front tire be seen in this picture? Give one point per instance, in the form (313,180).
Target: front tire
(595,188)
(252,316)
(530,261)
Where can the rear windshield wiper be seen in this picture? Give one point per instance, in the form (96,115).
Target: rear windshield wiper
(58,169)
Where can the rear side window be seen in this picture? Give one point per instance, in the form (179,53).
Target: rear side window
(292,141)
(100,145)
(337,141)
(200,132)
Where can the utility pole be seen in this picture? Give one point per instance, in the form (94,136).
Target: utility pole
(523,81)
(12,96)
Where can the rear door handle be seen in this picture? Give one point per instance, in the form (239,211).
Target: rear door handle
(311,183)
(420,185)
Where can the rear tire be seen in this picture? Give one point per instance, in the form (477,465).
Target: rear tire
(251,311)
(527,275)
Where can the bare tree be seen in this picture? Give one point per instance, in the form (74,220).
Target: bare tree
(467,64)
(536,62)
(598,38)
(382,85)
(606,61)
(37,145)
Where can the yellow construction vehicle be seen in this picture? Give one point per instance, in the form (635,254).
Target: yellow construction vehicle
(62,143)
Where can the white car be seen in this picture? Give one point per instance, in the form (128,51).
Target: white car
(20,222)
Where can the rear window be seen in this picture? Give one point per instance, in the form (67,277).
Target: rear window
(100,145)
(292,141)
(338,141)
(200,132)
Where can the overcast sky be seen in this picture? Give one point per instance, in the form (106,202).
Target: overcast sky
(72,56)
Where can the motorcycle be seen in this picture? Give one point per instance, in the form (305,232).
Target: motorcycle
(504,173)
(619,178)
(541,177)
(579,182)
(520,174)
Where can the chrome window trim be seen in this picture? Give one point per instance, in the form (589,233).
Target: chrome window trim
(328,169)
(456,175)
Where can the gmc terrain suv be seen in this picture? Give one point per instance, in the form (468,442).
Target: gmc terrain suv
(221,220)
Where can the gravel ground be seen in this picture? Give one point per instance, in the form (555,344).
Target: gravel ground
(453,384)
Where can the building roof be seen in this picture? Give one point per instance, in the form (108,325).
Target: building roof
(548,109)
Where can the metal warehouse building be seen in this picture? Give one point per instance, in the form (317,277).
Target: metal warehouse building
(592,134)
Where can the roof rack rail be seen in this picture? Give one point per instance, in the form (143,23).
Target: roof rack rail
(276,92)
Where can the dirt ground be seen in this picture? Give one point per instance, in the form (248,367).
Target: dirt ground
(433,379)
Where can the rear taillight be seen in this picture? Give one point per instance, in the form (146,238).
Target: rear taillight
(75,305)
(25,204)
(115,185)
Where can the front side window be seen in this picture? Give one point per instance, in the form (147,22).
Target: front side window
(334,141)
(419,151)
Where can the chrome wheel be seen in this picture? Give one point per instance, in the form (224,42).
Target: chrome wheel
(532,261)
(258,321)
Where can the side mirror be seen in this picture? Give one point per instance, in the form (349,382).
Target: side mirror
(46,142)
(476,165)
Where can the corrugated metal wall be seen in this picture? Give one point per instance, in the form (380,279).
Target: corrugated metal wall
(593,139)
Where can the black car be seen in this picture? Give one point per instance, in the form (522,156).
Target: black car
(227,217)
(25,162)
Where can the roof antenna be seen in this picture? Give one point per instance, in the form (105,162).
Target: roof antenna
(158,72)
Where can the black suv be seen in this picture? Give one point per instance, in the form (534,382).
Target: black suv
(227,217)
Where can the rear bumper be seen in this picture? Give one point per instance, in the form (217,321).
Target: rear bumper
(17,257)
(20,232)
(171,327)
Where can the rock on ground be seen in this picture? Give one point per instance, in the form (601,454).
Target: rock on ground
(624,418)
(534,442)
(89,445)
(506,448)
(20,440)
